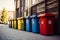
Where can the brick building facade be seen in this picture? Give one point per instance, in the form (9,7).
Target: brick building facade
(31,7)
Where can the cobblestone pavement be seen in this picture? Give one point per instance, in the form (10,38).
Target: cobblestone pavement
(7,33)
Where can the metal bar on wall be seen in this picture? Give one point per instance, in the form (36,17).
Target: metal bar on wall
(16,8)
(23,9)
(45,6)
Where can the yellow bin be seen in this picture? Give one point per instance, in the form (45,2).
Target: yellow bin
(19,23)
(14,24)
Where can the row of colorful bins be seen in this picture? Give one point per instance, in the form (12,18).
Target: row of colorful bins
(19,23)
(43,24)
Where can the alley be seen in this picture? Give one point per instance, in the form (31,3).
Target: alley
(7,33)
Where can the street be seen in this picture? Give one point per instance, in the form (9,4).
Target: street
(7,33)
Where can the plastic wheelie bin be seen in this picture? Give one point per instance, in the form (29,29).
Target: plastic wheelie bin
(57,25)
(10,23)
(23,24)
(14,24)
(19,20)
(35,24)
(47,23)
(28,24)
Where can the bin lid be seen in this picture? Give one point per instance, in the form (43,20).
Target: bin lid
(46,15)
(19,18)
(28,17)
(34,16)
(23,17)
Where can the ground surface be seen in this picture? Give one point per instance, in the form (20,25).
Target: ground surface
(7,33)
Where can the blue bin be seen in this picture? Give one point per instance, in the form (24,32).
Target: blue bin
(35,24)
(28,24)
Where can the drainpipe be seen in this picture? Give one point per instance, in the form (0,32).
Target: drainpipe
(45,6)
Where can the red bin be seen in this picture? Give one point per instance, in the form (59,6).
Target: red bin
(46,23)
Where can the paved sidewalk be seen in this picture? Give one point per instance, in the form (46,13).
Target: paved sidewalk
(7,33)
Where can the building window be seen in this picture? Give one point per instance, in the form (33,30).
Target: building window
(52,5)
(40,8)
(34,10)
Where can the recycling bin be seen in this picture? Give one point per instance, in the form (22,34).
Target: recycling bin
(47,23)
(57,25)
(28,24)
(19,20)
(10,23)
(35,24)
(23,24)
(14,24)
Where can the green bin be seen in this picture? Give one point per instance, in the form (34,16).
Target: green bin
(16,24)
(23,24)
(10,23)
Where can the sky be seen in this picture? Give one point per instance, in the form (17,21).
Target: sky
(8,4)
